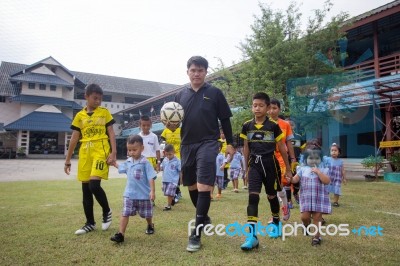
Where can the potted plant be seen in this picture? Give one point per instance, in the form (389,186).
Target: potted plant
(394,161)
(375,164)
(21,153)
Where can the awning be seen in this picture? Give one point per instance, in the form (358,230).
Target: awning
(46,100)
(42,121)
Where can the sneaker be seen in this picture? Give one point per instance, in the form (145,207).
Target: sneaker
(179,195)
(250,243)
(274,232)
(176,199)
(290,205)
(194,243)
(286,213)
(107,219)
(244,187)
(167,208)
(85,229)
(150,229)
(335,204)
(118,237)
(296,198)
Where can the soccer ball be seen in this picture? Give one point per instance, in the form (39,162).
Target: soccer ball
(171,113)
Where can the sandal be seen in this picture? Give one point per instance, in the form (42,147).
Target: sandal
(316,241)
(335,204)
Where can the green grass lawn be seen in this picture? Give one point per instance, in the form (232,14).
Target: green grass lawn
(38,221)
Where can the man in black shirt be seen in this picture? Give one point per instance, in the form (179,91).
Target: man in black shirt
(204,105)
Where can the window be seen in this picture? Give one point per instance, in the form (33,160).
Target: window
(53,87)
(31,86)
(2,99)
(42,87)
(112,105)
(107,98)
(117,105)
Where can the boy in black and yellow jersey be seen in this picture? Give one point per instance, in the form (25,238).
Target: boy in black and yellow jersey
(261,137)
(93,127)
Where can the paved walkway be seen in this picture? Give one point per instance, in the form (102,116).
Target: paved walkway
(39,169)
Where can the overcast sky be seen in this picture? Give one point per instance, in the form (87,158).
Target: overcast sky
(146,39)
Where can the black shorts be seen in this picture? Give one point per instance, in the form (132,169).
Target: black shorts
(198,162)
(264,170)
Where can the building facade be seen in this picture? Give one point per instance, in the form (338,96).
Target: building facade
(38,102)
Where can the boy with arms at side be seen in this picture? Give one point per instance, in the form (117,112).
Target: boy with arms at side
(172,135)
(150,141)
(261,136)
(171,167)
(93,127)
(274,112)
(140,187)
(219,175)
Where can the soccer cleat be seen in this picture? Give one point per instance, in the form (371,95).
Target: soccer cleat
(194,243)
(290,205)
(250,243)
(296,197)
(85,229)
(286,213)
(150,229)
(118,238)
(107,219)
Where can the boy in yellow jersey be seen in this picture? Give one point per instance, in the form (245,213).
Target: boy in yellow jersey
(93,127)
(172,135)
(227,158)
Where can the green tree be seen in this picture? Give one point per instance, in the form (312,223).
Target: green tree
(279,50)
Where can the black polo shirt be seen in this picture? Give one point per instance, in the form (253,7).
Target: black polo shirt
(261,138)
(202,109)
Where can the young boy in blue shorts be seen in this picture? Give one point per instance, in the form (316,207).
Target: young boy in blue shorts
(171,167)
(93,127)
(261,137)
(140,187)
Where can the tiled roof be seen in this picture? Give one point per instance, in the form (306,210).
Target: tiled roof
(42,121)
(125,85)
(46,100)
(108,83)
(6,69)
(375,11)
(41,78)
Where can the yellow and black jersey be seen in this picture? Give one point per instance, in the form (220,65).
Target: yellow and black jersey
(261,138)
(93,126)
(173,138)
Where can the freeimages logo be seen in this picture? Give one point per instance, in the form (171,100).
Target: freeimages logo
(283,230)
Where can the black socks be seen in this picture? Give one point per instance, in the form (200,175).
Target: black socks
(88,203)
(202,207)
(100,195)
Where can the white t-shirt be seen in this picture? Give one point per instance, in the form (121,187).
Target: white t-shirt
(151,144)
